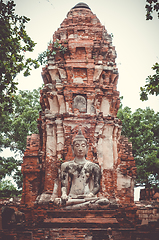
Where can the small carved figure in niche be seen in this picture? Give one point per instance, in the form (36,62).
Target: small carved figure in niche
(83,178)
(79,103)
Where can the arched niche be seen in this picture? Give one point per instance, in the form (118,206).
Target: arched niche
(79,102)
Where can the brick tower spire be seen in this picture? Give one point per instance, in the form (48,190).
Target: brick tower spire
(80,92)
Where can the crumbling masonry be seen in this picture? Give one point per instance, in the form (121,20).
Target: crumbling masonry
(80,93)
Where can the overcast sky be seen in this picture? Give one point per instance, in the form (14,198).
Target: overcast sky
(135,39)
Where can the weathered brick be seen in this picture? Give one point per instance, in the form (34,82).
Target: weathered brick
(80,92)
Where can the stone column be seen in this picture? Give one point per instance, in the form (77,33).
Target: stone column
(68,99)
(51,145)
(90,100)
(62,105)
(115,141)
(105,106)
(31,170)
(60,137)
(107,145)
(98,137)
(105,156)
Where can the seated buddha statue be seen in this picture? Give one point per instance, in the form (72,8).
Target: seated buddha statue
(80,178)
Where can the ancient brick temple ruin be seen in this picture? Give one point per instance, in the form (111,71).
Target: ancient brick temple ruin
(80,92)
(79,103)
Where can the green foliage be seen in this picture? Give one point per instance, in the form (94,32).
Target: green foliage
(7,189)
(14,42)
(152,82)
(55,47)
(18,177)
(142,129)
(14,129)
(7,165)
(15,126)
(43,57)
(152,85)
(151,6)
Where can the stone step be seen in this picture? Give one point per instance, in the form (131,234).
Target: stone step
(70,222)
(81,220)
(82,214)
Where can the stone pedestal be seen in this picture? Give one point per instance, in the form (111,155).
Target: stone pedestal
(132,222)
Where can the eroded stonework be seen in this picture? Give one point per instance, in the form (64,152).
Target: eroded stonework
(80,92)
(79,171)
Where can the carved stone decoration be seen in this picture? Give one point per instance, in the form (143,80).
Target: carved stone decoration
(80,180)
(79,171)
(79,103)
(80,92)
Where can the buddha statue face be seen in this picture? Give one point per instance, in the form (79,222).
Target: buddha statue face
(80,145)
(80,148)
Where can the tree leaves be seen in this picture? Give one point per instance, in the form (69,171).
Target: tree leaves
(15,126)
(14,129)
(152,85)
(51,52)
(7,189)
(14,42)
(151,6)
(142,129)
(7,165)
(152,82)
